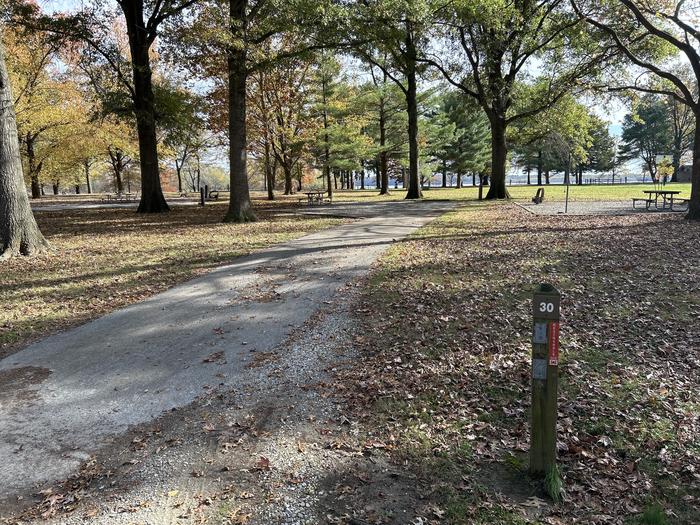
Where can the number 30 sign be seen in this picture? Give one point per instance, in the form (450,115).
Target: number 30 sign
(546,306)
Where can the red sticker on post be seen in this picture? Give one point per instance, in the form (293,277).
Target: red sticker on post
(554,343)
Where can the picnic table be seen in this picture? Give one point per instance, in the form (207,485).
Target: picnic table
(120,197)
(653,197)
(315,196)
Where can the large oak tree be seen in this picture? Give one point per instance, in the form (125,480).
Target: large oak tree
(19,233)
(391,35)
(144,20)
(234,35)
(644,30)
(490,48)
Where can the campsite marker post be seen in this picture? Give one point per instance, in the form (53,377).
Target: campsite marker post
(545,378)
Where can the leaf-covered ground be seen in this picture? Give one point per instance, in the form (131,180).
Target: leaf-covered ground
(104,259)
(444,377)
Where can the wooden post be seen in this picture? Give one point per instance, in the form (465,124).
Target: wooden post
(201,196)
(545,379)
(481,187)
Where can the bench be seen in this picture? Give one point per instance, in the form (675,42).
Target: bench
(539,196)
(648,202)
(685,203)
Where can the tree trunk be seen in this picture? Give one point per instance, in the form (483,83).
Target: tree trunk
(529,169)
(676,163)
(269,172)
(152,199)
(459,180)
(326,145)
(329,181)
(33,168)
(414,190)
(240,208)
(117,165)
(383,176)
(178,169)
(694,207)
(539,168)
(499,153)
(199,173)
(54,187)
(362,179)
(86,165)
(288,188)
(19,233)
(77,189)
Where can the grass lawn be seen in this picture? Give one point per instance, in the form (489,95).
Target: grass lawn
(444,372)
(104,259)
(619,192)
(554,192)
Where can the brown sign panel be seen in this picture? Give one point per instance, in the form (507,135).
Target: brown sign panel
(546,306)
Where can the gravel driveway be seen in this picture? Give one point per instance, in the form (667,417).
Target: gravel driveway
(75,393)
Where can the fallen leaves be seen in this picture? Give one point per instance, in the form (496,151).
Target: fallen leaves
(262,464)
(215,357)
(445,354)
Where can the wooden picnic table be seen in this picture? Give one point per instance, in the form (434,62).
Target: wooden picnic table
(120,197)
(315,196)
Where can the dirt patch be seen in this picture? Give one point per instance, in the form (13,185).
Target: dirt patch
(16,384)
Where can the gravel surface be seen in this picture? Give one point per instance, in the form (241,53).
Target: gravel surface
(274,450)
(130,366)
(95,404)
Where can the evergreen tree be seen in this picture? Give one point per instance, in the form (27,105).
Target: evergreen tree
(647,132)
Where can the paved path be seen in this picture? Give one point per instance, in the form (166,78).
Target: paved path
(66,396)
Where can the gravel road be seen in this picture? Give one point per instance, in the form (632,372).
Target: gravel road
(76,394)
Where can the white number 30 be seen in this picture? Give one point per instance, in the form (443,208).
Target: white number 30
(547,307)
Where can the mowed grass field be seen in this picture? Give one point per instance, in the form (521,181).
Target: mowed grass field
(553,192)
(618,192)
